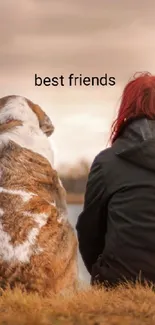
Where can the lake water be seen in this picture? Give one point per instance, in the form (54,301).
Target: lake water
(73,213)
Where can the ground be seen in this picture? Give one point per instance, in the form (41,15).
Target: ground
(122,306)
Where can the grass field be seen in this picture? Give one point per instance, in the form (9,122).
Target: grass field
(121,306)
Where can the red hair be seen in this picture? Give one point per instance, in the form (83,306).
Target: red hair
(138,100)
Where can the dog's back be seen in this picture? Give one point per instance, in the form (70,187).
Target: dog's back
(38,247)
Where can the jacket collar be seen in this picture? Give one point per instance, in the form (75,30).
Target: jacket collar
(134,134)
(136,144)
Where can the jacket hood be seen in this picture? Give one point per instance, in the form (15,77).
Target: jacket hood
(137,143)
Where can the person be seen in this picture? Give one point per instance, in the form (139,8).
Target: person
(116,230)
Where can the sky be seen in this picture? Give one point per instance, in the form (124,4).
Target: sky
(59,37)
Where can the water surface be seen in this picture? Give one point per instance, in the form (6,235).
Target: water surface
(73,212)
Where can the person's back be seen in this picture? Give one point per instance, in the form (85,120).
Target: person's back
(116,230)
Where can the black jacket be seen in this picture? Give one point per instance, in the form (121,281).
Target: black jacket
(116,229)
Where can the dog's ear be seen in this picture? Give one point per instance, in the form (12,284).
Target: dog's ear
(44,121)
(4,100)
(9,124)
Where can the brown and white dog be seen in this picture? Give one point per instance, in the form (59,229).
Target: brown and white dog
(38,247)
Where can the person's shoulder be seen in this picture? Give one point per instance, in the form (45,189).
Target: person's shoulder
(105,156)
(106,163)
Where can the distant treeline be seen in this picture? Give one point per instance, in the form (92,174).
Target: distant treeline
(73,185)
(75,178)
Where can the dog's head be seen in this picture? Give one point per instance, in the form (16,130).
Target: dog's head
(16,110)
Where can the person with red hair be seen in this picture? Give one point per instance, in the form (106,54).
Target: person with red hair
(116,230)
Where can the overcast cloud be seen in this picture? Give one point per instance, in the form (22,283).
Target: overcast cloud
(54,37)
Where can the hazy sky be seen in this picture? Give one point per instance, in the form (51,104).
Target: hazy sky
(59,37)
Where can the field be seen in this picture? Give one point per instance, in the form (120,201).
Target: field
(121,306)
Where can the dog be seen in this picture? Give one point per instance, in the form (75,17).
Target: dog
(38,246)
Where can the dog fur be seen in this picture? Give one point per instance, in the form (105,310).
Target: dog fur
(38,247)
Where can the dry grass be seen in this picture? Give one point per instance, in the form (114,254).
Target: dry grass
(123,306)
